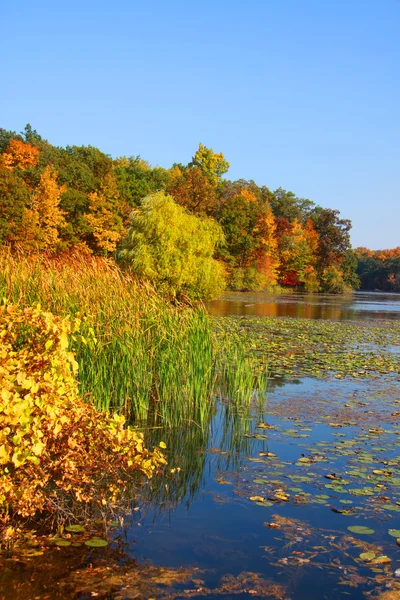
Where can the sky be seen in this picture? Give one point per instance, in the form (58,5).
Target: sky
(299,94)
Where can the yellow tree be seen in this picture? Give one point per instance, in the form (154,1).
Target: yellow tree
(105,216)
(213,165)
(47,217)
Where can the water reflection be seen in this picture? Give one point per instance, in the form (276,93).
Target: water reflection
(214,519)
(359,305)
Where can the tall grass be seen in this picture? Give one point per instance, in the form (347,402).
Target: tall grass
(155,362)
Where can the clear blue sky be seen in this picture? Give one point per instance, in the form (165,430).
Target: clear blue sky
(303,94)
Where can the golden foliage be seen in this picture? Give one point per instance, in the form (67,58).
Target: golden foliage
(103,219)
(47,217)
(267,255)
(56,451)
(19,154)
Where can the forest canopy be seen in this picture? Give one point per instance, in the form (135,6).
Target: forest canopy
(185,228)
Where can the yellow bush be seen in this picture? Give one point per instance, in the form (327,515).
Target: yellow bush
(56,452)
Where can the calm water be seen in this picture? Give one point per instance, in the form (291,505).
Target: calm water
(209,521)
(359,305)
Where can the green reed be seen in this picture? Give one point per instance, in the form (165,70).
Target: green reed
(155,362)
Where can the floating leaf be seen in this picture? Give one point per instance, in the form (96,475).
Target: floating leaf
(96,543)
(75,528)
(367,556)
(62,543)
(381,560)
(361,529)
(394,533)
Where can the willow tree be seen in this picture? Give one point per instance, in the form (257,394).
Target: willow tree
(174,249)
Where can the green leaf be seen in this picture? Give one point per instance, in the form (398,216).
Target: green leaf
(367,556)
(361,529)
(96,543)
(394,533)
(75,528)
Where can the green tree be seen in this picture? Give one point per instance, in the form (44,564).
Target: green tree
(174,249)
(14,198)
(137,179)
(287,205)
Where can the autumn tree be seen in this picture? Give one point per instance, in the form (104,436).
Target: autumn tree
(378,269)
(193,189)
(213,165)
(298,248)
(105,218)
(18,154)
(249,227)
(266,253)
(173,249)
(334,236)
(47,217)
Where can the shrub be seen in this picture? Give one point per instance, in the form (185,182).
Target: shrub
(57,453)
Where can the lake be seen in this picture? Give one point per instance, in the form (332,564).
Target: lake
(293,497)
(358,305)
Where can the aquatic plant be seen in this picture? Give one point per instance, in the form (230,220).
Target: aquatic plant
(152,361)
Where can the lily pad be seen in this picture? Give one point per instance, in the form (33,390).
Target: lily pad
(75,528)
(394,533)
(361,529)
(62,543)
(96,543)
(367,556)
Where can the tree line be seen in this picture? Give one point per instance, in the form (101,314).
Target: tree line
(379,269)
(172,226)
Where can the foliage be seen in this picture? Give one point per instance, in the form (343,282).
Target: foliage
(136,179)
(251,244)
(18,154)
(298,248)
(55,450)
(379,269)
(14,198)
(104,218)
(288,206)
(213,165)
(194,190)
(47,219)
(55,199)
(334,236)
(173,249)
(153,362)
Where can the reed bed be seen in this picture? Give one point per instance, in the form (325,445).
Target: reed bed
(157,363)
